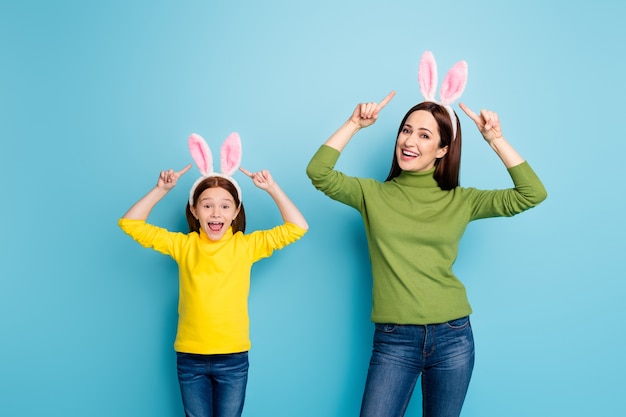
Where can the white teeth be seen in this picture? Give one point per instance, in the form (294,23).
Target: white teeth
(407,153)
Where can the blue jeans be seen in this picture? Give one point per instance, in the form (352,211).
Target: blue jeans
(442,353)
(212,385)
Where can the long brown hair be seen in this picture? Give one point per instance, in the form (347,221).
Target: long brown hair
(446,168)
(239,223)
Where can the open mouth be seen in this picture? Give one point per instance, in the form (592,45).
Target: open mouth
(409,154)
(215,226)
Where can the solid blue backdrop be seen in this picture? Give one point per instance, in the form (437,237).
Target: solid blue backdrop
(97,97)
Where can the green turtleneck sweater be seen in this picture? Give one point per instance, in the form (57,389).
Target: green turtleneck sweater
(413,230)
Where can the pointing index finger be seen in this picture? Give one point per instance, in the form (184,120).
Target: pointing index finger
(469,112)
(246,172)
(386,100)
(184,170)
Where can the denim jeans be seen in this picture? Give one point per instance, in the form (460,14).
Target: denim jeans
(442,353)
(212,385)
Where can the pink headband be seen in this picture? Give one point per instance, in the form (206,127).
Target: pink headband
(451,89)
(230,159)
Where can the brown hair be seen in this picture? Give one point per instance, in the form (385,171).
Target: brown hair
(446,168)
(239,223)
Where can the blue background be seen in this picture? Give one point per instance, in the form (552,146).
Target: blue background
(97,97)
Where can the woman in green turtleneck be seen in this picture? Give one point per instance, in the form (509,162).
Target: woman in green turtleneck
(414,221)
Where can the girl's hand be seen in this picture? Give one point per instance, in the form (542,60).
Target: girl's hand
(262,179)
(167,179)
(365,114)
(487,122)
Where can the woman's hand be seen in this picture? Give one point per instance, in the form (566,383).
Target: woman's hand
(489,126)
(365,114)
(487,122)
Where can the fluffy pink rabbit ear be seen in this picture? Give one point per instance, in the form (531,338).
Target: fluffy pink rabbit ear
(201,153)
(427,76)
(454,83)
(230,156)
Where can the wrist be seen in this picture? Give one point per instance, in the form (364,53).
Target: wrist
(352,126)
(273,189)
(494,142)
(161,190)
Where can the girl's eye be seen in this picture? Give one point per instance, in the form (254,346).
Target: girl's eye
(225,207)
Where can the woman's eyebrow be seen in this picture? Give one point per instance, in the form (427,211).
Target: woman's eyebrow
(421,128)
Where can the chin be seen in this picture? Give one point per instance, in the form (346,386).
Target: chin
(405,167)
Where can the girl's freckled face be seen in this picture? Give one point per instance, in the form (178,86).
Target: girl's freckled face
(215,210)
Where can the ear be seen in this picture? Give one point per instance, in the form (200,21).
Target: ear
(427,76)
(441,152)
(201,153)
(454,83)
(230,155)
(192,209)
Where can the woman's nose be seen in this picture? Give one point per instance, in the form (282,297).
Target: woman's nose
(411,140)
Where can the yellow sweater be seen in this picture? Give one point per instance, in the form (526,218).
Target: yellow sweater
(214,281)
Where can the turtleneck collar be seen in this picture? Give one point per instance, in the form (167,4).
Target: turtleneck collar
(227,235)
(423,179)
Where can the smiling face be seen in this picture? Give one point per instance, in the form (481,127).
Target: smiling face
(215,210)
(418,143)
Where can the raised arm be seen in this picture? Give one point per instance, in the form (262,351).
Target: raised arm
(364,115)
(142,208)
(489,126)
(288,210)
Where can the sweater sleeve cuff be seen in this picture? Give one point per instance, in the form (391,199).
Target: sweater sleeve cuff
(522,172)
(328,153)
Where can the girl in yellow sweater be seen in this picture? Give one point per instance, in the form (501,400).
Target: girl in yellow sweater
(214,261)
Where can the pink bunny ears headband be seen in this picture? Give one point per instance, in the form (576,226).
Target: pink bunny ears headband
(451,89)
(230,159)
